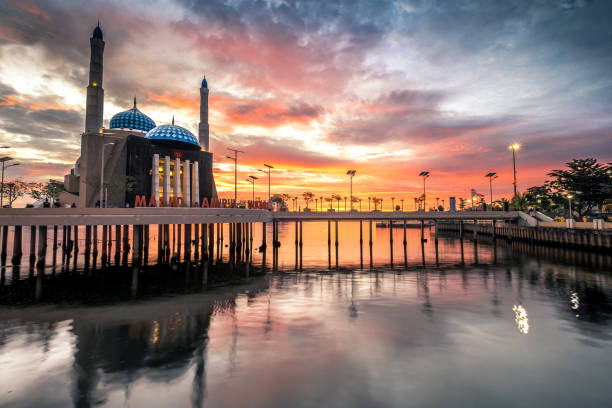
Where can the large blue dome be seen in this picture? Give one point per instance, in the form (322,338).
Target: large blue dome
(173,133)
(132,119)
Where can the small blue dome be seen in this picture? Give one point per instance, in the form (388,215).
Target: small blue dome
(204,83)
(97,32)
(173,133)
(132,119)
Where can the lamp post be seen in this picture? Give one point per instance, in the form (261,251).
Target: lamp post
(492,176)
(251,180)
(369,200)
(392,203)
(235,159)
(351,174)
(102,202)
(402,200)
(514,147)
(321,201)
(425,175)
(263,171)
(4,160)
(569,198)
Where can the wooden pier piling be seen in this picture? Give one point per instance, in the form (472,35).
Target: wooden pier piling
(17,245)
(32,245)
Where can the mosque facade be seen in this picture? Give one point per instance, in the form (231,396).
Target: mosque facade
(134,156)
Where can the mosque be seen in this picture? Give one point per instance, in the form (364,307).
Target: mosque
(135,156)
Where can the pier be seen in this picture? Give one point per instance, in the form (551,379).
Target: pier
(122,236)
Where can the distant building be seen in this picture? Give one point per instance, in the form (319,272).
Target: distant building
(140,158)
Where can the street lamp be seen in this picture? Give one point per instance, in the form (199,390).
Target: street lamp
(351,174)
(251,180)
(263,171)
(425,175)
(514,147)
(235,159)
(402,200)
(102,202)
(392,203)
(4,160)
(569,198)
(492,176)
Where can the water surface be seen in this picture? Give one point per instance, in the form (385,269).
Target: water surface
(477,325)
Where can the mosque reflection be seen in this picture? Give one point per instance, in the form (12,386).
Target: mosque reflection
(159,342)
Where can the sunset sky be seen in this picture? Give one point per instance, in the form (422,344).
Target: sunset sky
(389,88)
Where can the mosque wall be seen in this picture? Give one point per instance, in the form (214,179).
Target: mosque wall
(139,163)
(91,166)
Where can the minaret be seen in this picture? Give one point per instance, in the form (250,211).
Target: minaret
(203,133)
(94,109)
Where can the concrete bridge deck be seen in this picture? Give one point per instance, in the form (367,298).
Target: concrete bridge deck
(149,216)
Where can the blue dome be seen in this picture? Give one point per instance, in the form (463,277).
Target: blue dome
(173,133)
(204,83)
(132,119)
(97,32)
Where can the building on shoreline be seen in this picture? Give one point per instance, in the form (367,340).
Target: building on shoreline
(136,156)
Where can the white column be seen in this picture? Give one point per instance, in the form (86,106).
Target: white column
(155,178)
(177,179)
(167,179)
(195,183)
(187,183)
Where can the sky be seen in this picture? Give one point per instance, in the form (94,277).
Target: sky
(388,88)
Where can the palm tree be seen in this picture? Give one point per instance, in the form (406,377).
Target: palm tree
(330,200)
(337,197)
(308,196)
(369,200)
(376,201)
(344,203)
(356,200)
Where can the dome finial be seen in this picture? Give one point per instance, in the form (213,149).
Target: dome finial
(172,119)
(134,101)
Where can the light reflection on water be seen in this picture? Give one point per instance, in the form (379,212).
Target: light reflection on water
(500,328)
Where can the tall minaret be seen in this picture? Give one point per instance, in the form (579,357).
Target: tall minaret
(203,133)
(94,109)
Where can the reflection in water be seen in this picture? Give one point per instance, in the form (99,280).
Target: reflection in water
(521,319)
(316,336)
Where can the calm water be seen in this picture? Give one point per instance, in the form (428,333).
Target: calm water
(467,325)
